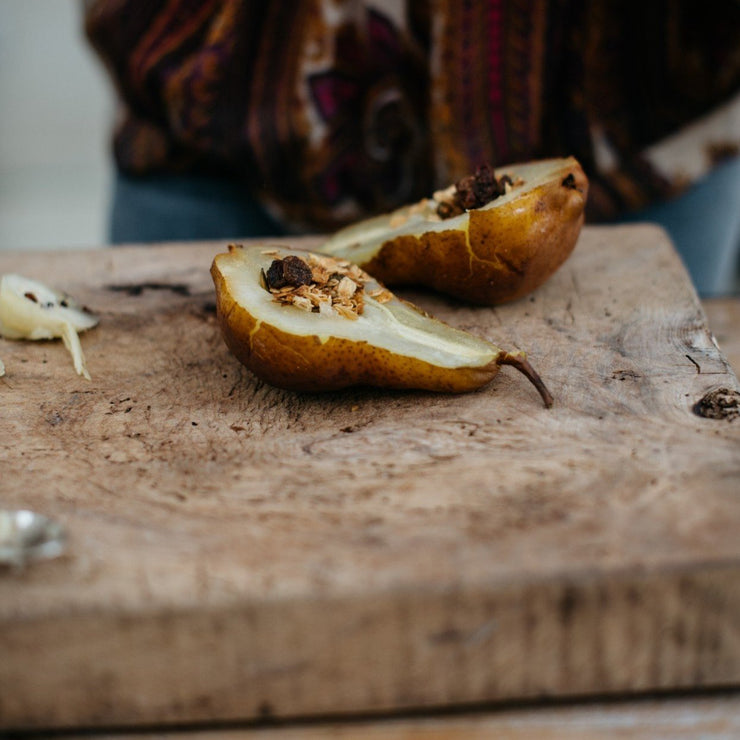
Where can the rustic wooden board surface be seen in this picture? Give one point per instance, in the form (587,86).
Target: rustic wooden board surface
(708,718)
(723,315)
(239,551)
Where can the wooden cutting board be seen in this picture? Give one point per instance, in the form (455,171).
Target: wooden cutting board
(237,551)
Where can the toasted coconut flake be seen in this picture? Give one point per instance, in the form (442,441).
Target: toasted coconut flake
(397,220)
(381,295)
(346,312)
(347,288)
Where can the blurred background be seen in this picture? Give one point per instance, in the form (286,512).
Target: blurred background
(57,107)
(55,116)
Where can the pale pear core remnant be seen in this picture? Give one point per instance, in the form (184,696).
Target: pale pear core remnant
(31,310)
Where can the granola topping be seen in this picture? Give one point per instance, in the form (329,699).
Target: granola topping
(320,284)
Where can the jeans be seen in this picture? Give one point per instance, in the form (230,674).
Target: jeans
(158,208)
(704,224)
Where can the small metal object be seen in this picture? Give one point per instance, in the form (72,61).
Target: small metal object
(26,536)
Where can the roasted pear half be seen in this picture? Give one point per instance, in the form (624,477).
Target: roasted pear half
(309,322)
(490,238)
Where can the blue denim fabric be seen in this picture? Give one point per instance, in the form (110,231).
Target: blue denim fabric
(704,224)
(160,208)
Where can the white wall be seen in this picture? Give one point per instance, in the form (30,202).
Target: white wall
(55,117)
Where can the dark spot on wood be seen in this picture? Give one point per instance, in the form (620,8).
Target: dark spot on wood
(714,642)
(721,403)
(54,419)
(203,701)
(625,375)
(679,634)
(209,308)
(568,604)
(447,636)
(265,710)
(31,297)
(136,289)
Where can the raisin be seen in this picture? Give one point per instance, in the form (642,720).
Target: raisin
(289,271)
(465,194)
(485,185)
(476,190)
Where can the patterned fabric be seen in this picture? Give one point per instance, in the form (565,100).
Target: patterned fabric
(332,109)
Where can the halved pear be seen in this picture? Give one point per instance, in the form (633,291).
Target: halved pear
(387,343)
(498,252)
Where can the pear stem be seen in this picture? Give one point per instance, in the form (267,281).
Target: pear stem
(521,363)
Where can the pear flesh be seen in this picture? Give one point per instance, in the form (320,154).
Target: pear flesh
(487,255)
(388,343)
(30,309)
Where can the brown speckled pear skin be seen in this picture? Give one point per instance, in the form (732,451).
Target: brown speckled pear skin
(303,363)
(308,361)
(493,254)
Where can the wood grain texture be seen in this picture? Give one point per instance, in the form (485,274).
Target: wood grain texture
(708,718)
(723,315)
(238,551)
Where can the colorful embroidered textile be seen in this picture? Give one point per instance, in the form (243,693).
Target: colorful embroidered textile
(331,109)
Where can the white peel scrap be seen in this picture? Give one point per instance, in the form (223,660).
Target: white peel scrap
(31,310)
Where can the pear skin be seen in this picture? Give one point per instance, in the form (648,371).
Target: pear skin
(390,344)
(488,255)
